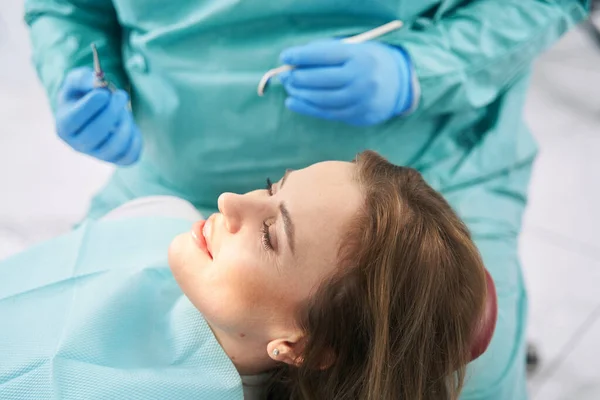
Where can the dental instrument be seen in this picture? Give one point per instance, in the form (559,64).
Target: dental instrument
(363,37)
(100,81)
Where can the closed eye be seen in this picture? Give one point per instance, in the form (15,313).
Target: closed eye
(266,235)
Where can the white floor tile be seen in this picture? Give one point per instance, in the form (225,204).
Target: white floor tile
(563,292)
(565,188)
(563,112)
(577,376)
(564,88)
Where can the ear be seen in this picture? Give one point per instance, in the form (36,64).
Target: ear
(290,351)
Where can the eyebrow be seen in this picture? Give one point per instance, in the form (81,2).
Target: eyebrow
(288,225)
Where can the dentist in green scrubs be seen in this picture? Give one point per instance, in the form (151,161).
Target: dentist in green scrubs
(444,94)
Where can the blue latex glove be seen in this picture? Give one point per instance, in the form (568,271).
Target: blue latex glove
(360,84)
(96,121)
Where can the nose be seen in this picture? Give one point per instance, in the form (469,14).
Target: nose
(230,206)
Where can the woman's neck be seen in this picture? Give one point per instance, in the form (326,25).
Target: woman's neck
(249,356)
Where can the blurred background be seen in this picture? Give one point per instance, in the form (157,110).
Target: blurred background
(45,188)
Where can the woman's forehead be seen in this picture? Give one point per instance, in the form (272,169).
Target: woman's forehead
(323,205)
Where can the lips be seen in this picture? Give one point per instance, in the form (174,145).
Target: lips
(200,237)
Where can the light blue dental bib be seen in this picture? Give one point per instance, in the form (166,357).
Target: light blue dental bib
(97,314)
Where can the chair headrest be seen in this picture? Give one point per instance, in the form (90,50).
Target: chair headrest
(484,330)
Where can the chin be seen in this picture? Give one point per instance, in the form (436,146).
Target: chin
(177,250)
(184,263)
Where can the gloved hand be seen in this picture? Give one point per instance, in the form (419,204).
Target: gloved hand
(360,84)
(96,121)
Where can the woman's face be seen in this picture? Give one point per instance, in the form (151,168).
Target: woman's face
(249,267)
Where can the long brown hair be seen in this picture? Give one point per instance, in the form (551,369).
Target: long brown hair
(397,319)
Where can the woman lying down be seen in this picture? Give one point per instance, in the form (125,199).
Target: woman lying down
(339,281)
